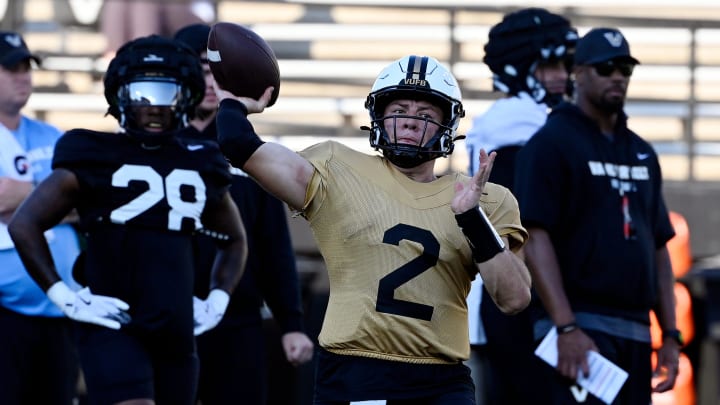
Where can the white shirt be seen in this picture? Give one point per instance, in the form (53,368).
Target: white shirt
(509,121)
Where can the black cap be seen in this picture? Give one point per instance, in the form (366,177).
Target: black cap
(195,36)
(13,50)
(602,44)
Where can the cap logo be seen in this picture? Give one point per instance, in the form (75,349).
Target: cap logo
(13,40)
(614,38)
(153,58)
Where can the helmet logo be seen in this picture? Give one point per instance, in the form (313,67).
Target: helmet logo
(415,82)
(153,58)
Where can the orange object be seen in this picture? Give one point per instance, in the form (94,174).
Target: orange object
(684,391)
(683,317)
(679,245)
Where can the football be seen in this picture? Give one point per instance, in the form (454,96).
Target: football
(242,62)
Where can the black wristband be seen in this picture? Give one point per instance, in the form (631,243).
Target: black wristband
(675,335)
(567,328)
(484,241)
(236,135)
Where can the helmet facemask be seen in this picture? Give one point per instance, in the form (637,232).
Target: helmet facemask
(384,136)
(550,55)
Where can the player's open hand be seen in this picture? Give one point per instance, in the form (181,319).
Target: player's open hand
(252,106)
(468,194)
(84,306)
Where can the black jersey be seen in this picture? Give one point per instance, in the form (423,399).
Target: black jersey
(139,207)
(601,202)
(122,182)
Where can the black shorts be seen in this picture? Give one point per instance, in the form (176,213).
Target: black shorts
(341,379)
(119,366)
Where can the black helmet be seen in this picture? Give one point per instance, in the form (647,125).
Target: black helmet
(519,42)
(195,36)
(153,71)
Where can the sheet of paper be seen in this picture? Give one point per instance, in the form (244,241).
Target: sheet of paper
(605,379)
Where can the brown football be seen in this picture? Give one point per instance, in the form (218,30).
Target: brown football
(242,62)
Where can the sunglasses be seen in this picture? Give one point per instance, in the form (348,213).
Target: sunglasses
(607,68)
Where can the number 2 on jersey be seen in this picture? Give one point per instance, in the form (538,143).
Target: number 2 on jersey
(159,188)
(386,301)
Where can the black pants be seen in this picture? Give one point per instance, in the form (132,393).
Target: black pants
(511,373)
(341,378)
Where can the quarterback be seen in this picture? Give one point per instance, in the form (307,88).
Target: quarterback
(401,244)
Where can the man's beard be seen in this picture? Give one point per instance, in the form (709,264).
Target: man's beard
(610,105)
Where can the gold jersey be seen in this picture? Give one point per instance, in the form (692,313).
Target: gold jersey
(399,266)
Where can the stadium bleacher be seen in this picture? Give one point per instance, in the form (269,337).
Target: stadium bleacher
(330,53)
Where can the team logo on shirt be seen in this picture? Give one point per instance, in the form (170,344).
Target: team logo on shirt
(622,177)
(579,393)
(623,172)
(22,165)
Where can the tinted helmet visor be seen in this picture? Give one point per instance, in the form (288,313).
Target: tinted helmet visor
(152,93)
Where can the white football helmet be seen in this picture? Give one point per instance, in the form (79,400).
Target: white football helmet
(415,78)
